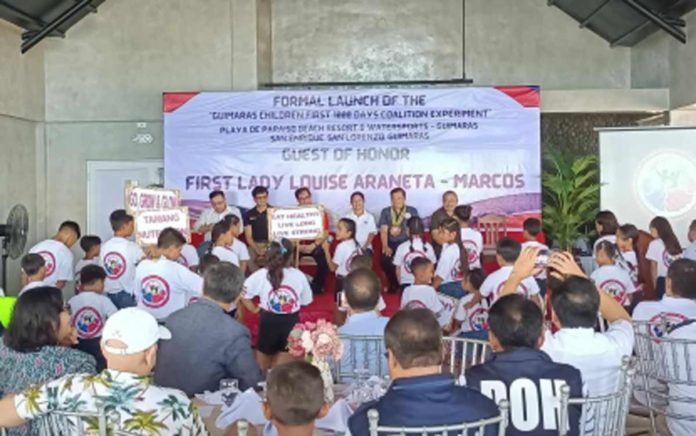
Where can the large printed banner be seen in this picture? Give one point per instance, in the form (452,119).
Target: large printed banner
(482,143)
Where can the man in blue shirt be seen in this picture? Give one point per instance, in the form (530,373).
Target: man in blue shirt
(362,290)
(420,395)
(523,374)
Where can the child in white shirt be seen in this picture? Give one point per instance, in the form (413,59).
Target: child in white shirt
(627,242)
(421,295)
(531,229)
(453,262)
(471,315)
(33,272)
(662,251)
(189,257)
(91,245)
(89,310)
(472,240)
(236,245)
(282,291)
(57,255)
(119,257)
(164,286)
(409,250)
(221,237)
(507,252)
(610,277)
(346,250)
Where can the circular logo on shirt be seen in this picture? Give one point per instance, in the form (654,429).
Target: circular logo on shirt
(155,291)
(415,304)
(521,289)
(283,300)
(114,265)
(615,288)
(456,272)
(478,320)
(88,322)
(471,250)
(49,260)
(409,257)
(666,184)
(353,255)
(657,327)
(667,258)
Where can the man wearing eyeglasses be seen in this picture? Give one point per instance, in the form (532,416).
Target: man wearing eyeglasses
(256,229)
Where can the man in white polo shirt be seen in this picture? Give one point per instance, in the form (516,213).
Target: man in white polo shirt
(576,301)
(365,227)
(218,210)
(679,302)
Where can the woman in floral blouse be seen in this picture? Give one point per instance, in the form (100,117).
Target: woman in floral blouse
(31,351)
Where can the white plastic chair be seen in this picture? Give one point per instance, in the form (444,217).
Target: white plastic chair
(602,415)
(362,352)
(667,376)
(463,353)
(474,428)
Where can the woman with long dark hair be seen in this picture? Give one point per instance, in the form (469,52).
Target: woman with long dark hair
(662,251)
(282,290)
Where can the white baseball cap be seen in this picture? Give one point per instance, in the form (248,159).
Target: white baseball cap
(134,327)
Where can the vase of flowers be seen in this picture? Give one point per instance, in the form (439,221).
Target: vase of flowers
(317,342)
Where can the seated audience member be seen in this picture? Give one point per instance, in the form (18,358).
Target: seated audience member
(610,277)
(362,290)
(207,260)
(420,395)
(129,343)
(507,251)
(664,249)
(516,333)
(411,249)
(119,257)
(237,246)
(89,310)
(366,229)
(218,210)
(189,257)
(256,229)
(314,248)
(421,295)
(295,398)
(453,262)
(686,371)
(471,314)
(217,346)
(38,331)
(531,229)
(690,251)
(393,231)
(56,252)
(472,239)
(575,302)
(282,291)
(358,262)
(679,302)
(449,203)
(33,272)
(164,286)
(91,246)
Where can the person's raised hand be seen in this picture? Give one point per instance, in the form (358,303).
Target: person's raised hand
(564,264)
(526,265)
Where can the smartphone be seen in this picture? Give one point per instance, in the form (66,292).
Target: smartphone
(341,300)
(542,260)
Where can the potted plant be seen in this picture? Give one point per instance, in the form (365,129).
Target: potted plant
(571,195)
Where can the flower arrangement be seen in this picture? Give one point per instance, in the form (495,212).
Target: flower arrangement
(317,342)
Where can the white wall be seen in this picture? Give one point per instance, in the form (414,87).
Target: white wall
(21,133)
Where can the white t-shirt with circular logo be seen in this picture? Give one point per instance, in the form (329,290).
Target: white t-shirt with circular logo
(406,252)
(241,249)
(473,243)
(344,255)
(189,256)
(89,312)
(165,286)
(448,267)
(493,285)
(226,254)
(119,257)
(421,297)
(673,310)
(59,261)
(472,319)
(657,252)
(614,280)
(293,293)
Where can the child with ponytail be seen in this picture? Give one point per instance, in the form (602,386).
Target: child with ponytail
(662,251)
(346,250)
(282,290)
(221,237)
(409,250)
(453,263)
